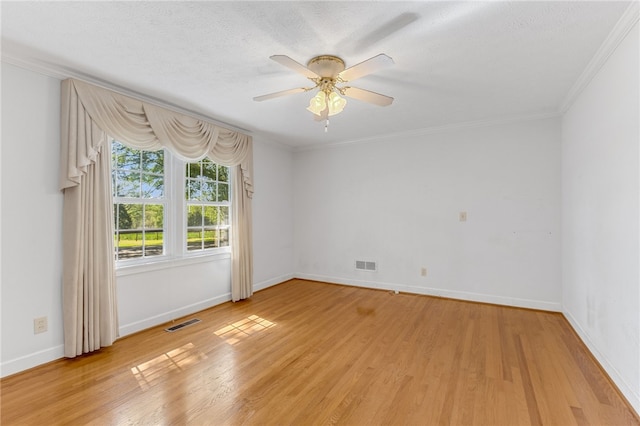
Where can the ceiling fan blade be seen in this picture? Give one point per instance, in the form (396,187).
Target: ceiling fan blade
(278,94)
(290,63)
(367,96)
(367,67)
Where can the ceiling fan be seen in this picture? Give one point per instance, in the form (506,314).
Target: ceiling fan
(329,75)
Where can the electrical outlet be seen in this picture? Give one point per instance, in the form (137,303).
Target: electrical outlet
(423,272)
(39,325)
(463,216)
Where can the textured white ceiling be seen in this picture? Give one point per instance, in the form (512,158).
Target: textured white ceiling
(455,62)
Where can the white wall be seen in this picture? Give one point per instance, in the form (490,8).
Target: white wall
(397,202)
(152,297)
(272,213)
(600,215)
(32,234)
(31,219)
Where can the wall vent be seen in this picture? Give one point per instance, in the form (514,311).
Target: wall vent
(182,325)
(365,265)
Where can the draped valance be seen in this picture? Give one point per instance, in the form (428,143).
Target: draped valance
(89,116)
(146,126)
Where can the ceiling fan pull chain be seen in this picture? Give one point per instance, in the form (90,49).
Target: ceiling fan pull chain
(326,125)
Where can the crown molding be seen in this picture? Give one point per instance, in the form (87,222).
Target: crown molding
(264,138)
(62,73)
(433,130)
(39,67)
(626,22)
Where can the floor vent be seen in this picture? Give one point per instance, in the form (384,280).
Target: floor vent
(363,265)
(182,325)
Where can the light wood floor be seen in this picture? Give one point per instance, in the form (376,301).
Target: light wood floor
(312,353)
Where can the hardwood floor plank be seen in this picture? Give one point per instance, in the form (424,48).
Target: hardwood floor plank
(310,353)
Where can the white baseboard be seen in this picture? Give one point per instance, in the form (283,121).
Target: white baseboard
(173,314)
(271,282)
(452,294)
(632,395)
(31,360)
(42,357)
(196,307)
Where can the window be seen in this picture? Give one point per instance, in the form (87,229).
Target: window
(138,202)
(207,196)
(153,220)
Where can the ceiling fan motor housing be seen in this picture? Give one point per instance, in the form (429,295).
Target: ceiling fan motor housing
(326,66)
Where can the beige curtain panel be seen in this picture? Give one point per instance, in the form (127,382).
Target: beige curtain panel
(88,114)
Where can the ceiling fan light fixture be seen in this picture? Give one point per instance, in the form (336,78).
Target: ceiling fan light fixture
(336,103)
(318,103)
(321,101)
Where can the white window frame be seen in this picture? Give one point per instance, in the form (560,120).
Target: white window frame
(175,224)
(184,228)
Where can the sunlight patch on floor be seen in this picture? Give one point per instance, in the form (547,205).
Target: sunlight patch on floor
(236,332)
(151,371)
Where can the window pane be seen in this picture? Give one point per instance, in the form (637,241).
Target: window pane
(210,238)
(153,161)
(152,186)
(128,184)
(192,190)
(223,174)
(126,158)
(224,237)
(209,169)
(223,192)
(153,216)
(128,230)
(153,242)
(210,215)
(208,191)
(194,239)
(121,217)
(114,155)
(194,216)
(223,215)
(193,170)
(134,213)
(129,244)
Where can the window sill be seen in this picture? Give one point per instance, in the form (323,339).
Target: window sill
(168,262)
